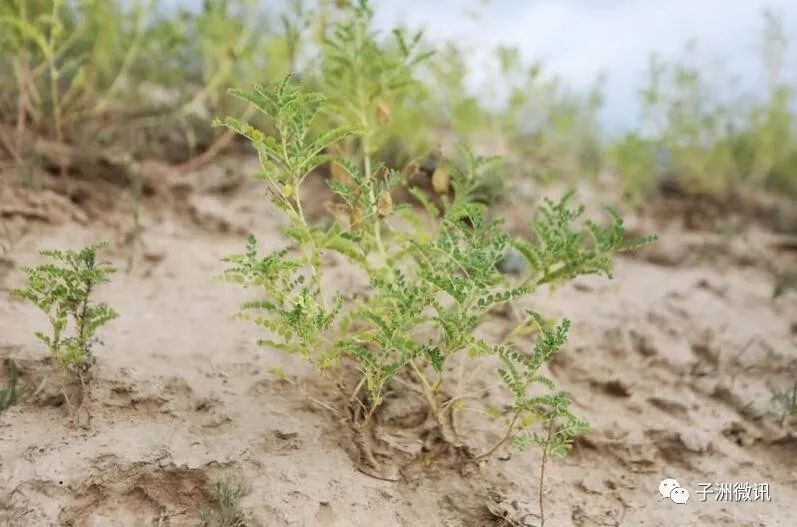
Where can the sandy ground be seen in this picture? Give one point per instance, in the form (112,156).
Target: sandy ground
(671,362)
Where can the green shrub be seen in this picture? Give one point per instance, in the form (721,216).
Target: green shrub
(62,290)
(691,125)
(635,161)
(132,73)
(433,282)
(67,58)
(715,143)
(372,83)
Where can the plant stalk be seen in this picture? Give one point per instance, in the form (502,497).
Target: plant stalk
(503,439)
(545,450)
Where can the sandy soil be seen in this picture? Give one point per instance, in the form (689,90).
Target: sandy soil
(671,363)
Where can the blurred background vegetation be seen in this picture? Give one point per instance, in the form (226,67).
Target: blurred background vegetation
(143,79)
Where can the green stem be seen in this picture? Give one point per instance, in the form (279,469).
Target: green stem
(545,450)
(372,196)
(503,439)
(428,392)
(20,70)
(127,62)
(362,110)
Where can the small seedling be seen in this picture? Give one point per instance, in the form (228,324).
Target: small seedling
(785,281)
(63,290)
(228,511)
(560,426)
(8,394)
(786,400)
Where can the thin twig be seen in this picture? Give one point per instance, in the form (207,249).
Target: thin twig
(22,103)
(469,395)
(218,370)
(207,156)
(545,449)
(503,440)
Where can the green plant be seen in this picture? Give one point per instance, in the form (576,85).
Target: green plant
(786,400)
(228,511)
(68,59)
(453,107)
(373,84)
(542,126)
(560,428)
(548,126)
(9,394)
(95,73)
(635,160)
(690,124)
(770,130)
(715,144)
(434,281)
(63,291)
(35,31)
(784,281)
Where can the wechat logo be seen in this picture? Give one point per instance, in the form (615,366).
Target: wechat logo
(672,490)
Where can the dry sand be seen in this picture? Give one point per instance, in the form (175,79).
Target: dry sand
(671,363)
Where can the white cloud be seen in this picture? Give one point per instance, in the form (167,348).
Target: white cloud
(580,38)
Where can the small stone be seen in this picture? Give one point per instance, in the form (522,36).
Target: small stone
(618,388)
(512,262)
(285,435)
(695,441)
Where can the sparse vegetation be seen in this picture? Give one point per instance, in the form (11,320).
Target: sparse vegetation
(75,68)
(784,399)
(704,143)
(227,512)
(406,267)
(63,290)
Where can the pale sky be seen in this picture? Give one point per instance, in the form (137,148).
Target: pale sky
(578,39)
